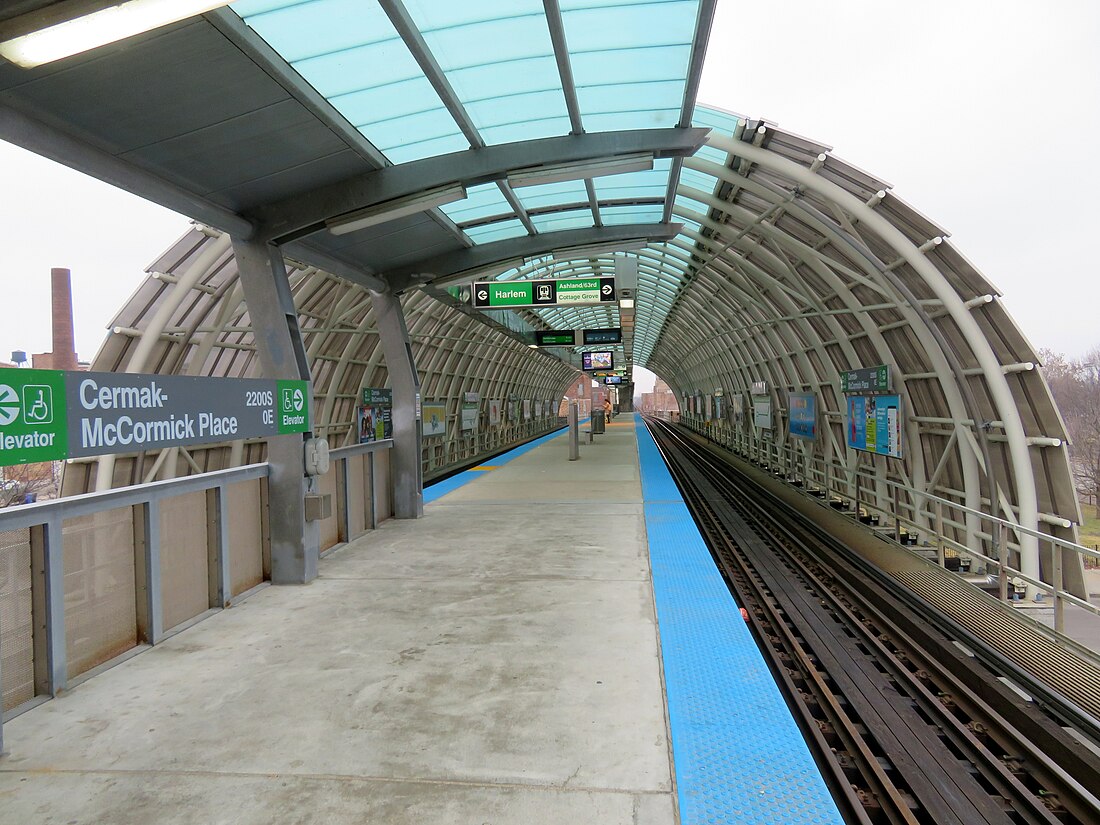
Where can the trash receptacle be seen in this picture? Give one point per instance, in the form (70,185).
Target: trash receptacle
(598,422)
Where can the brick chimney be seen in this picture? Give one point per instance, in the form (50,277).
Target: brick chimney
(63,356)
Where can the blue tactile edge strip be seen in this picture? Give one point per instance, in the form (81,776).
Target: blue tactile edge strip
(439,489)
(739,756)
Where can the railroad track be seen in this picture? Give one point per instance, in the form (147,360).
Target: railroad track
(907,723)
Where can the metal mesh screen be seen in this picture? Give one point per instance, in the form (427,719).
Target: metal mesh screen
(184,559)
(100,598)
(358,490)
(246,550)
(16,618)
(382,483)
(330,527)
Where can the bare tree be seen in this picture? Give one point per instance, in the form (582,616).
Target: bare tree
(16,482)
(1075,385)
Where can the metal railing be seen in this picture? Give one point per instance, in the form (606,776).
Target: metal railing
(952,529)
(83,548)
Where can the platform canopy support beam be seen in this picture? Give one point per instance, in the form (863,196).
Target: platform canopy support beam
(405,466)
(295,543)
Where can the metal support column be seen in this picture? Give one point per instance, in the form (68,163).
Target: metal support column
(295,542)
(574,433)
(405,466)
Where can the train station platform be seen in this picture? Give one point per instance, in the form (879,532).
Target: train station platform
(497,661)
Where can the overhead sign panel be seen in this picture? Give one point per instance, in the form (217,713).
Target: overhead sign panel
(592,361)
(555,337)
(611,335)
(545,292)
(49,415)
(869,379)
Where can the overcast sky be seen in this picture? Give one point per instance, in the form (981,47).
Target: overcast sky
(983,115)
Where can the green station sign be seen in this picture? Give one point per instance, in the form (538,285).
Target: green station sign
(544,292)
(49,415)
(867,379)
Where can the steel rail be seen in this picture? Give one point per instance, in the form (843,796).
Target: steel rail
(953,753)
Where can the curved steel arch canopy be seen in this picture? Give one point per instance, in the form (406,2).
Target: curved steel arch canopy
(760,256)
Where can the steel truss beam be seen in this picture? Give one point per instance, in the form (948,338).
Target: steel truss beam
(306,212)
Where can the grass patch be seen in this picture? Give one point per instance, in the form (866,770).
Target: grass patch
(1090,530)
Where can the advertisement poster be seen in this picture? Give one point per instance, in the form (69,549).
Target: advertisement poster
(494,413)
(374,418)
(526,409)
(737,409)
(513,410)
(874,424)
(538,408)
(435,418)
(762,412)
(802,407)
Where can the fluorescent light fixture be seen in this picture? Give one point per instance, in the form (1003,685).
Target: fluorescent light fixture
(397,208)
(592,250)
(626,303)
(595,168)
(43,37)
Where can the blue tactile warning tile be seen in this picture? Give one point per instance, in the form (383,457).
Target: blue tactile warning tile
(739,757)
(439,489)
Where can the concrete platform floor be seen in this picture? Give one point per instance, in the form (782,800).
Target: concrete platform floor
(495,662)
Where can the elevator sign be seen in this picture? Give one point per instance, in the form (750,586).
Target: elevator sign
(545,292)
(49,415)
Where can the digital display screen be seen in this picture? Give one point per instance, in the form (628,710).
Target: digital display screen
(555,337)
(599,360)
(612,335)
(613,379)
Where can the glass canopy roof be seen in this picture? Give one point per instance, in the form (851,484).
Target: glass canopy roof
(426,77)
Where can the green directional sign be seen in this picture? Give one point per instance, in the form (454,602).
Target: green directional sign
(33,426)
(867,379)
(293,400)
(544,292)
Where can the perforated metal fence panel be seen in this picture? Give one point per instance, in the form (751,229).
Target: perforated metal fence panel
(100,606)
(246,550)
(184,562)
(16,618)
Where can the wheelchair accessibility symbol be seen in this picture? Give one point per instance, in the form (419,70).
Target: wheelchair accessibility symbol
(38,404)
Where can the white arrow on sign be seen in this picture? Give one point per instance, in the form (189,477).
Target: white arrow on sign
(607,289)
(482,294)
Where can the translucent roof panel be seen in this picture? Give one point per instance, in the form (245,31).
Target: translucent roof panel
(349,51)
(482,201)
(652,183)
(549,194)
(498,231)
(567,219)
(630,60)
(499,59)
(616,215)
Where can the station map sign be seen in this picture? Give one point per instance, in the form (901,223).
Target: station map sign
(544,292)
(874,424)
(802,415)
(51,415)
(869,379)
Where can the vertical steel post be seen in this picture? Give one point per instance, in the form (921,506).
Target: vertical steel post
(217,543)
(405,466)
(1059,605)
(1002,555)
(574,432)
(150,609)
(897,514)
(941,544)
(55,606)
(295,542)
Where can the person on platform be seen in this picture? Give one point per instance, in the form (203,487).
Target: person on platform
(607,409)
